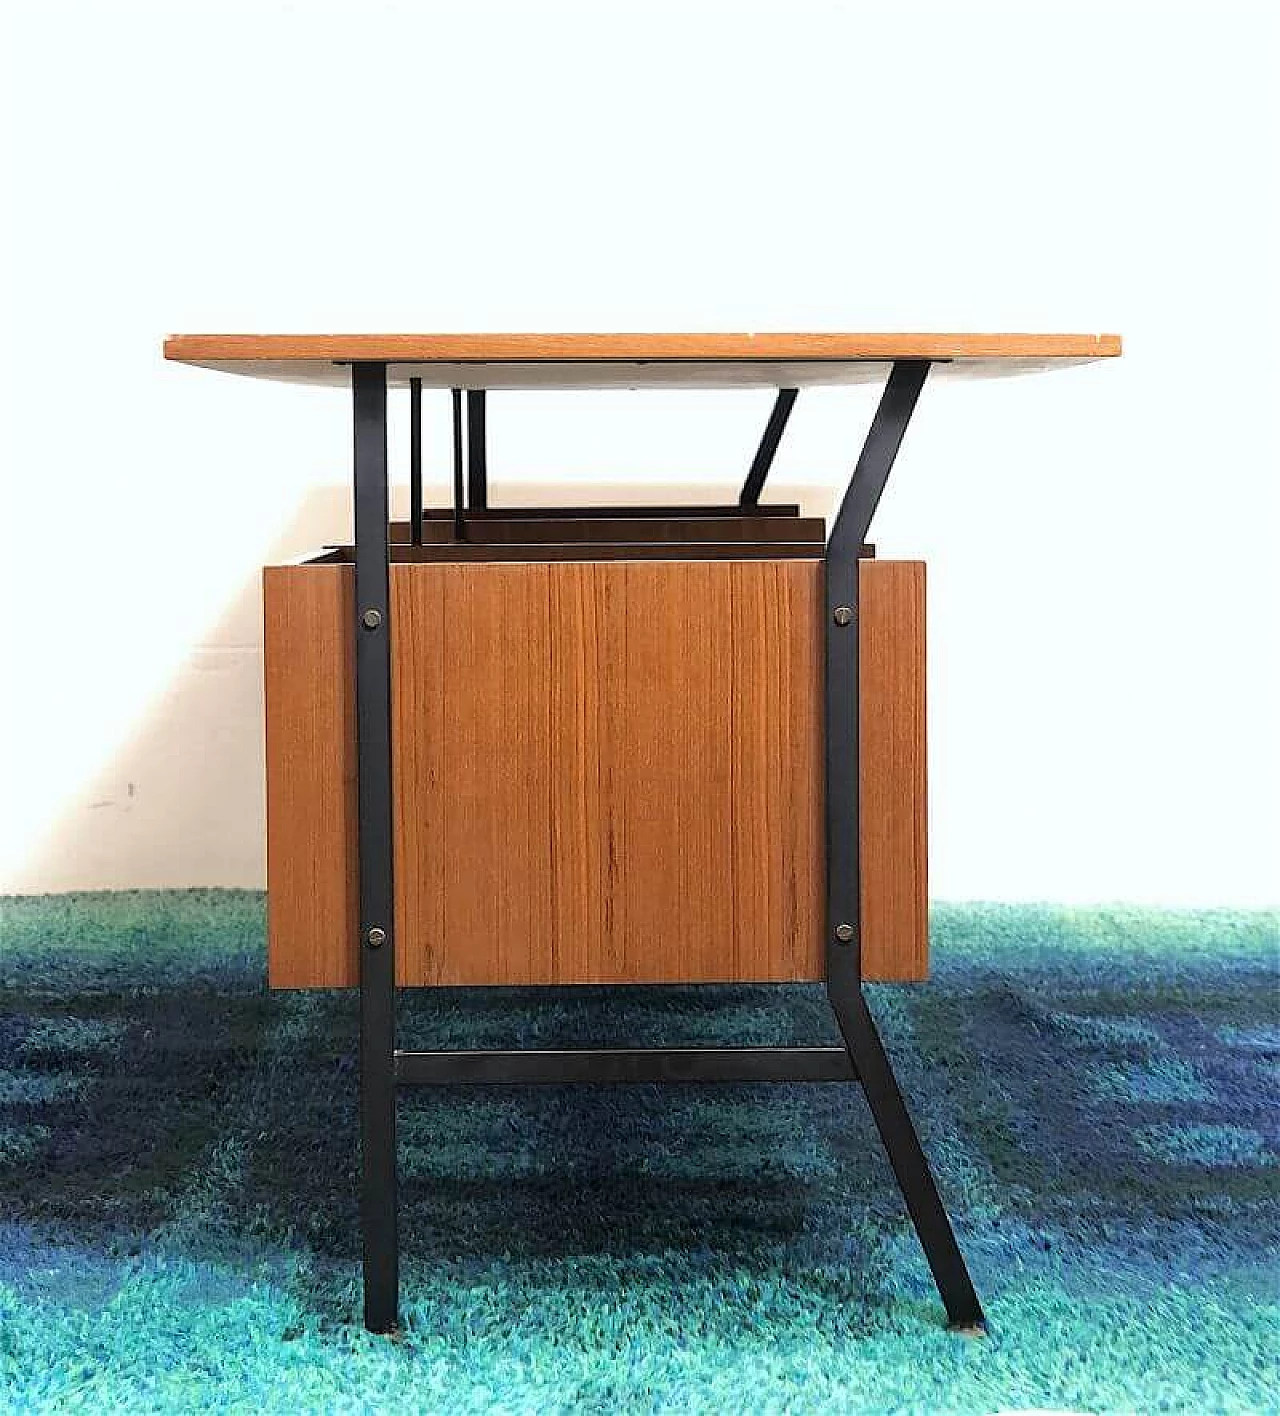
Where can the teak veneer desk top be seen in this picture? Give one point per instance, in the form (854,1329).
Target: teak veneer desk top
(564,745)
(630,360)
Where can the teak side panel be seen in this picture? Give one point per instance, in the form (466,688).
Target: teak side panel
(312,899)
(605,772)
(893,828)
(607,765)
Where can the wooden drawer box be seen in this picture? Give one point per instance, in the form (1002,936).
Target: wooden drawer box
(604,771)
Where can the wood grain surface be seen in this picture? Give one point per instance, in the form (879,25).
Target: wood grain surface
(312,897)
(605,772)
(628,360)
(895,867)
(603,348)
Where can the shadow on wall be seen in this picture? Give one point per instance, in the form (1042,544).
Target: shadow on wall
(181,800)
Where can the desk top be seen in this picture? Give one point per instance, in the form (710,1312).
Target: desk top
(630,360)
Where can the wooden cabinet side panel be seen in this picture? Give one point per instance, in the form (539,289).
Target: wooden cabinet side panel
(607,772)
(895,883)
(309,694)
(594,781)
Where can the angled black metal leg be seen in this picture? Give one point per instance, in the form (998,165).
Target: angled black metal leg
(768,449)
(844,879)
(910,1165)
(377,940)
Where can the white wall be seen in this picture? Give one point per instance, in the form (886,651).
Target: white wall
(1102,542)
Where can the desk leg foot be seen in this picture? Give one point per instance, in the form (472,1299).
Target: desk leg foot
(910,1165)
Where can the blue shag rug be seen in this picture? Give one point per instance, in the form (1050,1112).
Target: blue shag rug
(178,1162)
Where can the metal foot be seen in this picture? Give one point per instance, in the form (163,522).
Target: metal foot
(906,1155)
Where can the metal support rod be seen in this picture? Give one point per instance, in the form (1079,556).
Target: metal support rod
(377,932)
(477,458)
(628,1064)
(415,461)
(459,493)
(768,448)
(875,461)
(844,880)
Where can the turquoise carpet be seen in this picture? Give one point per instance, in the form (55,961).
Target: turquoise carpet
(1097,1091)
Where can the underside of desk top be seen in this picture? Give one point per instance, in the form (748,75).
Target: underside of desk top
(630,360)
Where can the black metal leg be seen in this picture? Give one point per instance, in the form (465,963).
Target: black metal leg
(844,880)
(415,461)
(477,452)
(459,496)
(377,939)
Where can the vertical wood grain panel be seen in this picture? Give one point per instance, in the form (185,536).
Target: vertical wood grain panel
(775,728)
(312,901)
(472,748)
(895,883)
(573,876)
(671,737)
(801,794)
(420,752)
(618,762)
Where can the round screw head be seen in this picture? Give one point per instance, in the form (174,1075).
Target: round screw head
(376,937)
(843,615)
(844,933)
(371,619)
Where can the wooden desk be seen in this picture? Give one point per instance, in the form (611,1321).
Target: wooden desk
(598,745)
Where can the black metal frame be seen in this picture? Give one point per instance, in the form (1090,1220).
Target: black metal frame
(377,908)
(749,496)
(629,1064)
(477,452)
(862,1058)
(415,461)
